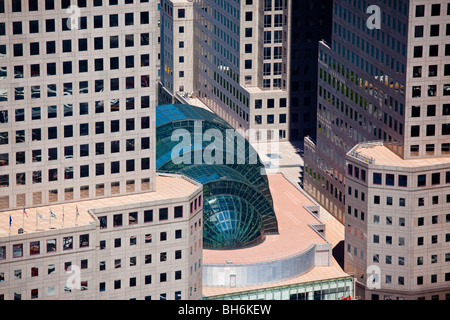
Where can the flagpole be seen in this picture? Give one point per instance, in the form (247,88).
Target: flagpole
(63,217)
(50,220)
(76,217)
(37,213)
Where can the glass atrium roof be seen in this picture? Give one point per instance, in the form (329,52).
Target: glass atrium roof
(237,204)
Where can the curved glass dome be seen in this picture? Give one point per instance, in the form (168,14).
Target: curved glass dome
(238,209)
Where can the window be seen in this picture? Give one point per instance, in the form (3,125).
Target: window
(67,243)
(434,239)
(435,9)
(435,178)
(117,220)
(148,216)
(390,179)
(98,21)
(376,199)
(84,240)
(178,212)
(402,180)
(181,13)
(415,131)
(376,178)
(418,31)
(420,11)
(433,50)
(434,30)
(421,180)
(163,214)
(418,52)
(129,19)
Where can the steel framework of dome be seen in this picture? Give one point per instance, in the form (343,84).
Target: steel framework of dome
(237,204)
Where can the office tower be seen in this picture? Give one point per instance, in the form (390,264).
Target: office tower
(137,246)
(311,23)
(381,160)
(78,92)
(237,55)
(77,100)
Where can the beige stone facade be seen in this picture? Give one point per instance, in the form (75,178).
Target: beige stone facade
(145,246)
(397,225)
(235,61)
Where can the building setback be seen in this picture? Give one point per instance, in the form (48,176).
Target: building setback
(142,246)
(386,88)
(78,92)
(77,103)
(228,45)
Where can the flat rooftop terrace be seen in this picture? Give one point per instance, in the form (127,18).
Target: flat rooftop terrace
(295,234)
(167,188)
(385,157)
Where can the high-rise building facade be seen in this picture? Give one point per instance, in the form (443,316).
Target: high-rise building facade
(385,77)
(234,57)
(77,99)
(145,246)
(78,92)
(311,23)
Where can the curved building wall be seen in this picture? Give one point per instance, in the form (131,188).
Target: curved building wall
(238,207)
(238,275)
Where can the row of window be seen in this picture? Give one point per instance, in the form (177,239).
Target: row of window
(33,5)
(402,180)
(270,118)
(401,260)
(67,110)
(69,132)
(51,291)
(83,66)
(37,175)
(117,284)
(53,154)
(402,201)
(435,10)
(117,219)
(434,30)
(114,85)
(69,194)
(432,90)
(68,46)
(33,25)
(50,245)
(401,240)
(430,110)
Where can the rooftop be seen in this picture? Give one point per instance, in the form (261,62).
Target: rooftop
(382,156)
(295,234)
(167,188)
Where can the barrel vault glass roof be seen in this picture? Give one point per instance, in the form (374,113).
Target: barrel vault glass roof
(237,204)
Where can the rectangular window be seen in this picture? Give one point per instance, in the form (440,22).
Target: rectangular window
(163,214)
(376,178)
(178,212)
